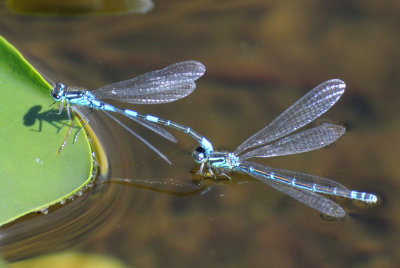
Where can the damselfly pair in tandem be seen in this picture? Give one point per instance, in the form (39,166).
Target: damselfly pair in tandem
(276,139)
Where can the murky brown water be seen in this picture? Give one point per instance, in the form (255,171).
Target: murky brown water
(260,57)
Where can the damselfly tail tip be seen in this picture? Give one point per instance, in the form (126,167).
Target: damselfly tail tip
(372,199)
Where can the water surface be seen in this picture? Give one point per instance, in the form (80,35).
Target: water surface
(260,57)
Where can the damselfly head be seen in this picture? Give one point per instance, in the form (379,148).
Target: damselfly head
(58,91)
(199,155)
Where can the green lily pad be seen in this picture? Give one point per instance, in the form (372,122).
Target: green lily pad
(34,175)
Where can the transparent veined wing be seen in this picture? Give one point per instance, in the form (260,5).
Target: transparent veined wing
(148,144)
(307,140)
(161,86)
(302,112)
(155,128)
(310,198)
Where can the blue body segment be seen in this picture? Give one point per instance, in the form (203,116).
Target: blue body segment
(166,85)
(131,113)
(331,189)
(276,139)
(152,118)
(208,147)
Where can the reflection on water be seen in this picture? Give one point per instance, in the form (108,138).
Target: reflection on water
(260,57)
(77,221)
